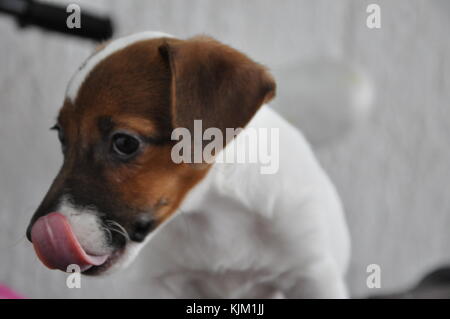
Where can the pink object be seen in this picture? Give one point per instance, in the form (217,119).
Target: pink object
(7,293)
(57,246)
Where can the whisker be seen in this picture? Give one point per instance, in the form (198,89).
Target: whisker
(121,233)
(121,230)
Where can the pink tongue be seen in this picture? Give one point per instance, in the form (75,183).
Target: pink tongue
(56,244)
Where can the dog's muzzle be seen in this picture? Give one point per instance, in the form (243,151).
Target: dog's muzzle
(57,246)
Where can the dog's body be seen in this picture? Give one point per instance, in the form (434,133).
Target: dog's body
(234,232)
(242,234)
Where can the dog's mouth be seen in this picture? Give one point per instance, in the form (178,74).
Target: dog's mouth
(57,246)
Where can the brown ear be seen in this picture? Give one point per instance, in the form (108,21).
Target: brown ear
(214,83)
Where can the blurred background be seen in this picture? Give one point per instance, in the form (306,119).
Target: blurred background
(374,103)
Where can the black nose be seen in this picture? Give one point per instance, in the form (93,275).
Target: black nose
(141,227)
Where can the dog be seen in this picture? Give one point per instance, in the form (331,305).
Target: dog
(214,230)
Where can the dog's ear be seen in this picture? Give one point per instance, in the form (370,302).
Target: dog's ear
(214,83)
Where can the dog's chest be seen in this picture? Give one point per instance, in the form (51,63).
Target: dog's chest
(226,251)
(224,236)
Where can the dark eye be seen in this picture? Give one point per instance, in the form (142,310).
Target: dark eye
(125,145)
(60,135)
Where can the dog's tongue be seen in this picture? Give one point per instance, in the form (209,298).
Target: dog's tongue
(57,246)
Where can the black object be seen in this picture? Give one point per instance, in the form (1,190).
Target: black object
(53,17)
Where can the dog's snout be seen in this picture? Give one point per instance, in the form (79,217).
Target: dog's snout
(141,227)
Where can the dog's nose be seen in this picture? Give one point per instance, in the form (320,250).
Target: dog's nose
(141,227)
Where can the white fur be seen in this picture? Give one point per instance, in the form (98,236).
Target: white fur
(78,78)
(86,226)
(243,234)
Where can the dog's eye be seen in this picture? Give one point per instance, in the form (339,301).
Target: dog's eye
(60,135)
(125,145)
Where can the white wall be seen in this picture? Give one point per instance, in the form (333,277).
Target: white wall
(391,172)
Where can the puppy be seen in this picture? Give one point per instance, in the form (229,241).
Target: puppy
(213,229)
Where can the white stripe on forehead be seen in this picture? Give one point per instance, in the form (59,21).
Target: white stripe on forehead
(113,46)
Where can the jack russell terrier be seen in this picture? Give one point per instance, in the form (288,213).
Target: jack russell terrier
(228,231)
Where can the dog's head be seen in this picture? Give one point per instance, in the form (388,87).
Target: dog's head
(118,182)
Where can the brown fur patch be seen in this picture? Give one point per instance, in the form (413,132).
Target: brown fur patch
(214,83)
